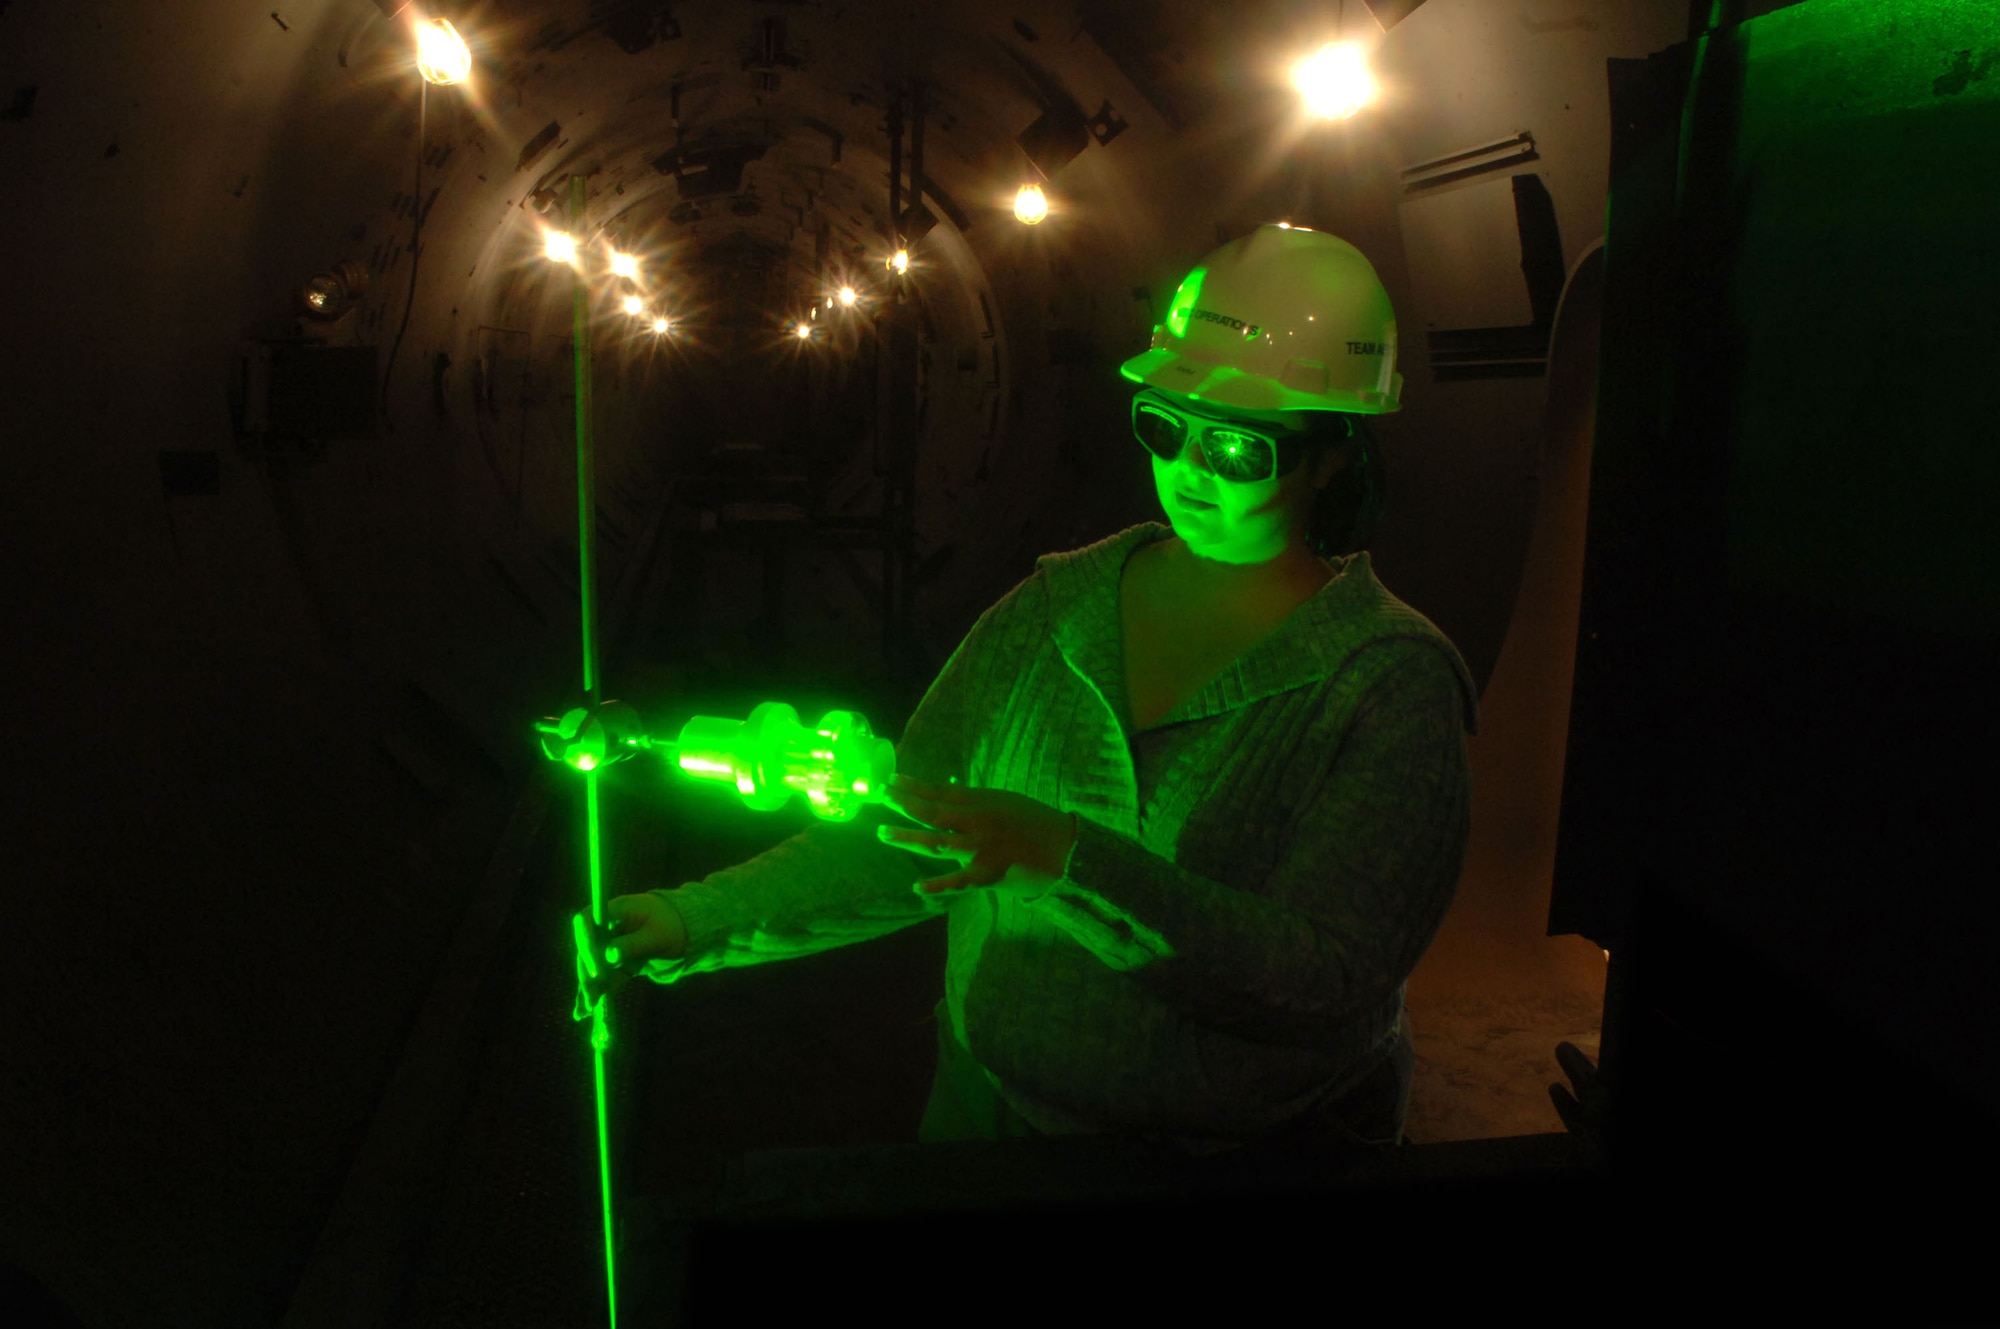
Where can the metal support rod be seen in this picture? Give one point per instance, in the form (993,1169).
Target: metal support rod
(1519,140)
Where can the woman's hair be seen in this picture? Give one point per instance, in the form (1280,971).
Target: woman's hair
(1344,515)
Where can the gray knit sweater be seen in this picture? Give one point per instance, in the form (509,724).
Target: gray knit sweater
(1254,877)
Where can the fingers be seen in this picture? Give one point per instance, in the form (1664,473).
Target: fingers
(1577,1067)
(627,928)
(594,988)
(1585,1112)
(606,985)
(931,843)
(961,880)
(627,940)
(949,792)
(623,911)
(1567,1108)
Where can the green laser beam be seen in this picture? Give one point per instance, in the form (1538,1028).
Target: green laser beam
(586,521)
(839,765)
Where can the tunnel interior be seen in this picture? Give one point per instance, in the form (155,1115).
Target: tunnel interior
(292,558)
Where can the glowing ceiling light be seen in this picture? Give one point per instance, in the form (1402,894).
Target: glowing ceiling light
(803,331)
(1335,80)
(442,56)
(624,265)
(662,326)
(1031,205)
(634,305)
(330,295)
(558,247)
(899,262)
(848,296)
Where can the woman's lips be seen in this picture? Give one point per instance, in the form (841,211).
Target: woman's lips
(1186,501)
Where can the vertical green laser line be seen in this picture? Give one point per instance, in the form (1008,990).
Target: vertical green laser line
(604,1158)
(586,540)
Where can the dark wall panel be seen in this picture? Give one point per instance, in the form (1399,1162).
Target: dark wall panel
(1791,586)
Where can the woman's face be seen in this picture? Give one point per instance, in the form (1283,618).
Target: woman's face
(1227,522)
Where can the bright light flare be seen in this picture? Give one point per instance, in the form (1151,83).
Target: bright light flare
(559,247)
(625,265)
(848,296)
(662,326)
(803,331)
(634,305)
(1335,80)
(1031,205)
(899,262)
(442,55)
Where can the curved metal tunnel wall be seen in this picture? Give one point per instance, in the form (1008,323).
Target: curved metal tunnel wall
(273,696)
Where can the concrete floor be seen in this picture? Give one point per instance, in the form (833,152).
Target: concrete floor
(1484,1065)
(1494,994)
(1492,998)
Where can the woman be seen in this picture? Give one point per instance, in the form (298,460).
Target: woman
(1203,785)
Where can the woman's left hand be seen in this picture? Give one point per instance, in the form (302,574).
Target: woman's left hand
(997,838)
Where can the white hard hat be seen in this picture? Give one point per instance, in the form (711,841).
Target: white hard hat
(1282,319)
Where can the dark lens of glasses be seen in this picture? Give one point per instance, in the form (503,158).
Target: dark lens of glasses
(1233,454)
(1162,433)
(1236,455)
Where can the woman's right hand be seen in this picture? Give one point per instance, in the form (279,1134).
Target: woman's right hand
(643,927)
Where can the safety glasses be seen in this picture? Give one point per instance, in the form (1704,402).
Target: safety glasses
(1238,453)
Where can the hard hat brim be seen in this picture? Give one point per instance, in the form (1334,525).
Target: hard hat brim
(1170,370)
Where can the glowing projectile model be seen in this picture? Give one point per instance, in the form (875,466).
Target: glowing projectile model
(838,766)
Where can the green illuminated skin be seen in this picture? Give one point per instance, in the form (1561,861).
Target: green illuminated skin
(647,928)
(1254,538)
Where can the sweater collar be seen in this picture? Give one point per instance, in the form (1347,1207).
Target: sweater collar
(1350,611)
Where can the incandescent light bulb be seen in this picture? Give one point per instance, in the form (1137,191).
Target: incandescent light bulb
(442,56)
(1335,80)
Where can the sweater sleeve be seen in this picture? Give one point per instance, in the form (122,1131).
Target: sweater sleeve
(834,884)
(1351,904)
